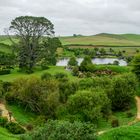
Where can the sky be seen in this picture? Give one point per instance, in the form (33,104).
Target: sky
(86,17)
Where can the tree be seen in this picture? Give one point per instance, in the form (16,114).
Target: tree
(87,65)
(72,62)
(136,65)
(29,30)
(48,51)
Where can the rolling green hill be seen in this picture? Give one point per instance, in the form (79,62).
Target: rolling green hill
(103,39)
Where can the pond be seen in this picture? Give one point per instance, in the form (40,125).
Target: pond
(64,62)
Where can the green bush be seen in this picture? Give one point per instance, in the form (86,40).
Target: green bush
(114,122)
(63,130)
(122,91)
(72,62)
(36,95)
(60,75)
(15,128)
(89,105)
(3,121)
(46,76)
(66,89)
(5,71)
(136,65)
(86,64)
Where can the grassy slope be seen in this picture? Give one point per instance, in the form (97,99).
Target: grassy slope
(53,70)
(104,39)
(5,135)
(122,133)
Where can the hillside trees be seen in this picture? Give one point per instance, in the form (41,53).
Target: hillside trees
(30,30)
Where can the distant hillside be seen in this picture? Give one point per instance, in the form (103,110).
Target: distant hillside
(104,39)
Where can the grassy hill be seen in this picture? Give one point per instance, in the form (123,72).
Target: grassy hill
(103,39)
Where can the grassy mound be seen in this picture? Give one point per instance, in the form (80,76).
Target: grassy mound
(122,133)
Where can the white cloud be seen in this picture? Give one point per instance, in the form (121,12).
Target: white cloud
(77,16)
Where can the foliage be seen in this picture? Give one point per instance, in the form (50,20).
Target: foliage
(89,105)
(114,122)
(66,89)
(122,92)
(3,121)
(60,75)
(63,130)
(72,62)
(36,95)
(15,128)
(29,31)
(136,65)
(46,76)
(48,51)
(87,65)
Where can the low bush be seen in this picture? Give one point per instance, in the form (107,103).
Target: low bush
(114,122)
(60,75)
(29,127)
(5,71)
(15,128)
(63,130)
(3,121)
(46,76)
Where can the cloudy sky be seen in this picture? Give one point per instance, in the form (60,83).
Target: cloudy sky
(86,17)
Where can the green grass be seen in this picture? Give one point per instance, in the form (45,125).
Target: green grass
(53,70)
(5,135)
(23,117)
(104,39)
(122,133)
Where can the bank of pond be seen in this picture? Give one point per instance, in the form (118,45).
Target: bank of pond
(98,61)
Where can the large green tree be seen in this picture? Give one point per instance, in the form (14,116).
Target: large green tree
(30,30)
(48,51)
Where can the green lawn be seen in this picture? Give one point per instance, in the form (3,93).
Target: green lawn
(53,70)
(23,117)
(5,135)
(122,133)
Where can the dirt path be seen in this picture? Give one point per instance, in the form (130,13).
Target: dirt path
(5,112)
(138,107)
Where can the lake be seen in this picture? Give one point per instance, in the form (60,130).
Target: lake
(64,62)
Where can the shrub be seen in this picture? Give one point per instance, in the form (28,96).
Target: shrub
(63,130)
(29,127)
(60,75)
(90,105)
(36,95)
(66,89)
(72,62)
(122,92)
(115,122)
(15,128)
(46,76)
(86,64)
(136,65)
(5,71)
(3,121)
(129,114)
(75,71)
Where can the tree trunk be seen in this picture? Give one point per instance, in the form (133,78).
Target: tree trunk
(138,107)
